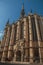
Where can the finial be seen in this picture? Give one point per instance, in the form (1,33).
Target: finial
(23,6)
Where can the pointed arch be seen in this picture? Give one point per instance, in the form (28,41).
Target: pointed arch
(18,55)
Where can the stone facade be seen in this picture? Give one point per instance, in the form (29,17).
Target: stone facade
(23,40)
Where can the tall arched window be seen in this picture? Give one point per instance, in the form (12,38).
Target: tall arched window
(40,28)
(34,33)
(22,30)
(36,55)
(15,33)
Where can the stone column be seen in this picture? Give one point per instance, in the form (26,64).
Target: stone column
(14,59)
(17,38)
(22,53)
(26,40)
(4,55)
(18,30)
(38,35)
(22,57)
(3,40)
(30,35)
(41,45)
(10,49)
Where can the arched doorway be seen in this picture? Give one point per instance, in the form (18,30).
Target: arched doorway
(18,55)
(36,55)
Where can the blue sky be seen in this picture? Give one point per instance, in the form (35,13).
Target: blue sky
(10,9)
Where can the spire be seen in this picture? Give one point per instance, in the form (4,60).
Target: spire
(22,11)
(23,6)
